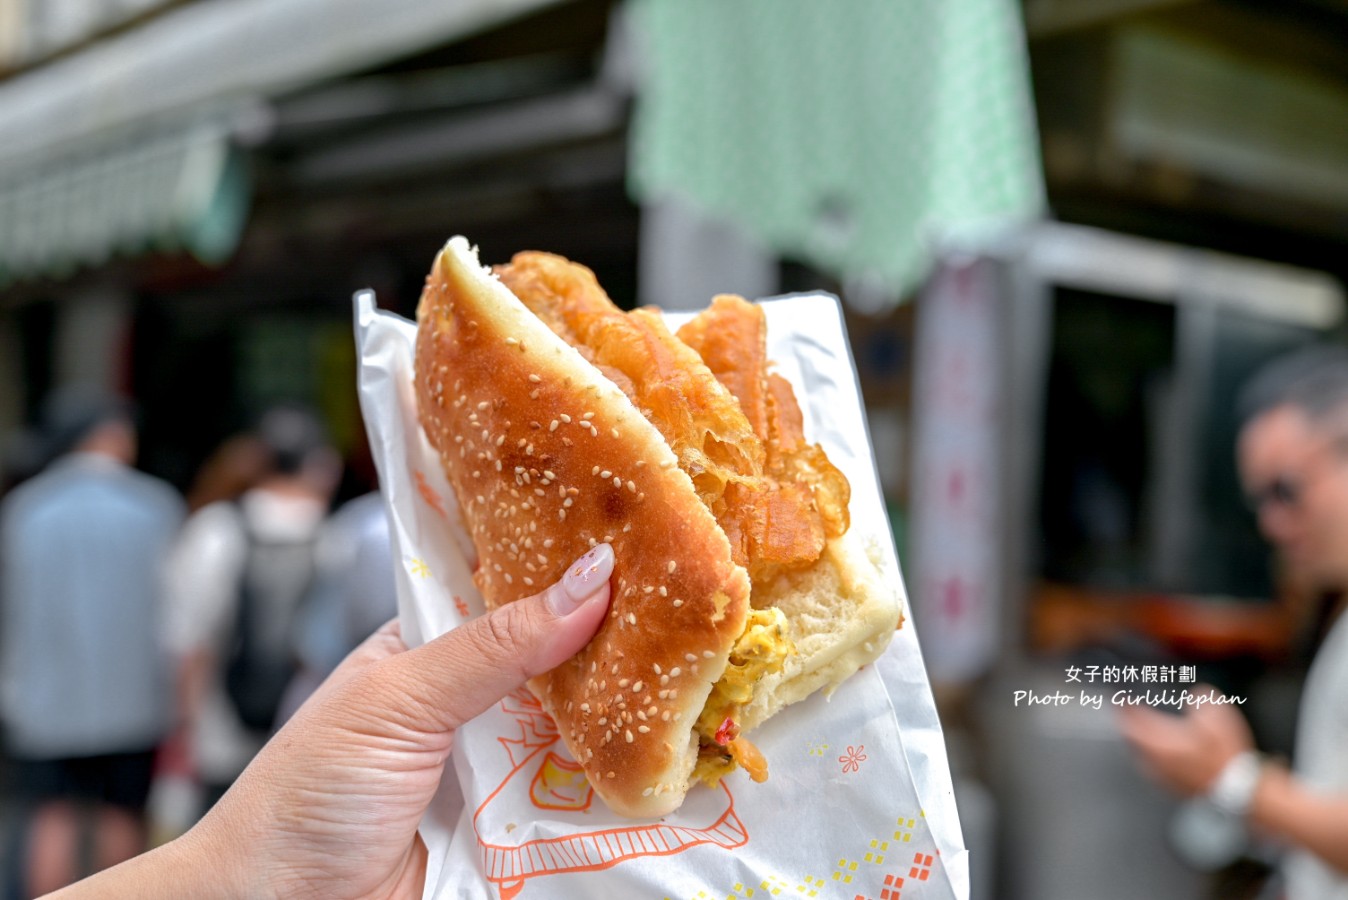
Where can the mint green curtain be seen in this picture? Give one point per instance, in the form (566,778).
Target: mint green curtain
(844,134)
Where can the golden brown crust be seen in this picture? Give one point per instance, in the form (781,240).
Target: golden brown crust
(548,457)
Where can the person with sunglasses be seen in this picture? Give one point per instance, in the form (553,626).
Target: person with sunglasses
(1292,453)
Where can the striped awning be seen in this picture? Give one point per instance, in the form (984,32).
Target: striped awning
(184,188)
(128,145)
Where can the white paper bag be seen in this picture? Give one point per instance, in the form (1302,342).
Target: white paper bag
(859,803)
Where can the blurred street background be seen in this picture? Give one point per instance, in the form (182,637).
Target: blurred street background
(1063,232)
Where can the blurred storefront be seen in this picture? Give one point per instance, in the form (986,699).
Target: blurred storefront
(191,191)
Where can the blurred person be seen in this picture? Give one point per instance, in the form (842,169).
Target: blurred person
(1292,453)
(237,579)
(330,808)
(84,678)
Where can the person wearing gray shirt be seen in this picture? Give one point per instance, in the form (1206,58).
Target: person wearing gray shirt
(84,678)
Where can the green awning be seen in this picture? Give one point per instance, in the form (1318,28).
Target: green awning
(182,189)
(124,145)
(846,135)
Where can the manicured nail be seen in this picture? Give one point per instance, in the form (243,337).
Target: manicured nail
(583,577)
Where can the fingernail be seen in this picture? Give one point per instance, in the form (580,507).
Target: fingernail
(583,577)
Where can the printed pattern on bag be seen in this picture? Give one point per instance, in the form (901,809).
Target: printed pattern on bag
(553,782)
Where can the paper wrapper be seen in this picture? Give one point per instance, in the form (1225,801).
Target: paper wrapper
(859,802)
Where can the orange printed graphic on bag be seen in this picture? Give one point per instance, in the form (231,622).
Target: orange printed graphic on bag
(558,841)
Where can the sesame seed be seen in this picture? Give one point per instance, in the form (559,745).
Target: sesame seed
(588,415)
(656,667)
(629,737)
(644,729)
(690,657)
(677,603)
(535,379)
(547,543)
(672,566)
(529,581)
(664,679)
(594,471)
(561,515)
(603,720)
(509,580)
(566,418)
(636,688)
(484,404)
(664,716)
(617,482)
(585,707)
(664,591)
(613,431)
(707,654)
(624,682)
(500,439)
(512,341)
(647,792)
(675,672)
(631,618)
(648,589)
(552,426)
(606,474)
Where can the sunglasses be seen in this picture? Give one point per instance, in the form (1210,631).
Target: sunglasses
(1283,491)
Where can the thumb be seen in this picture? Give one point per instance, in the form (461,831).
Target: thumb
(453,678)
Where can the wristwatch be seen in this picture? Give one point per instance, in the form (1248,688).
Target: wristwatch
(1232,791)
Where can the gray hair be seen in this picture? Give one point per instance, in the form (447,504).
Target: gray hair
(1313,379)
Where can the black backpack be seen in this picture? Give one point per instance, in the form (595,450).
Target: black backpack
(277,579)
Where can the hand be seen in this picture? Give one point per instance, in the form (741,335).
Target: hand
(1187,752)
(330,806)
